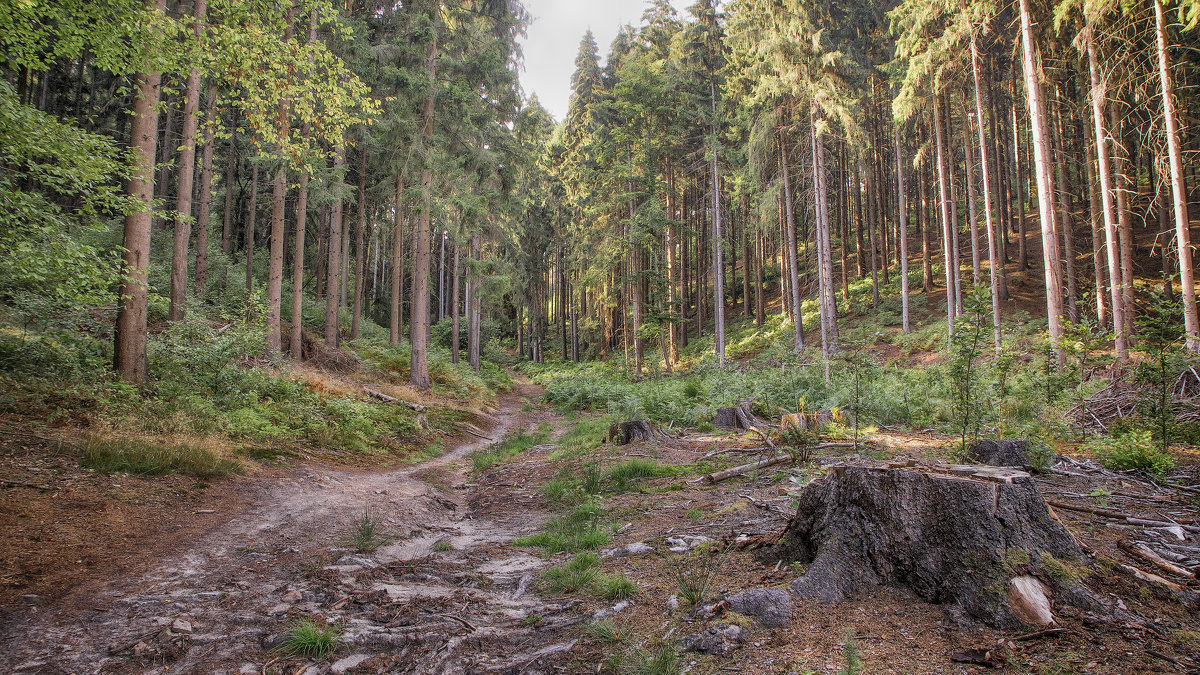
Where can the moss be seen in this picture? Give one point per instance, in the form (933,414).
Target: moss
(1061,572)
(733,618)
(1186,638)
(1015,558)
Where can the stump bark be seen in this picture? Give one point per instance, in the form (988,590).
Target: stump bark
(955,535)
(624,433)
(738,417)
(999,453)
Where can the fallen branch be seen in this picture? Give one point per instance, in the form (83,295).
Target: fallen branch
(13,483)
(1150,577)
(1117,515)
(718,476)
(392,399)
(1153,558)
(1039,634)
(480,436)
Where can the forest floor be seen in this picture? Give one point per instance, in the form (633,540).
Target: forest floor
(131,575)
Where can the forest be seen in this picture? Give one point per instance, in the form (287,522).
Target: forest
(862,336)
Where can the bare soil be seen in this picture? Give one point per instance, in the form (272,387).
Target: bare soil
(172,587)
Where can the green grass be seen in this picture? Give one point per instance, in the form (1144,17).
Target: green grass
(662,661)
(575,575)
(615,587)
(583,528)
(620,476)
(306,639)
(511,446)
(1134,450)
(126,455)
(605,631)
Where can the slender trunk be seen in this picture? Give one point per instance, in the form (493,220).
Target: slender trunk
(1065,220)
(204,197)
(972,205)
(419,323)
(394,318)
(673,309)
(718,261)
(1045,179)
(902,207)
(454,309)
(996,267)
(129,348)
(790,227)
(474,309)
(1022,189)
(275,260)
(333,268)
(926,260)
(1124,221)
(295,343)
(183,198)
(1178,187)
(944,200)
(872,225)
(359,243)
(248,235)
(824,248)
(230,180)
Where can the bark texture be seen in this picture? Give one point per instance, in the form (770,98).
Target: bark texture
(954,535)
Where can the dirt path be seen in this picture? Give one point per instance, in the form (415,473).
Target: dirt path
(450,594)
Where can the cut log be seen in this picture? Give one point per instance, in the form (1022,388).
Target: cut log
(999,453)
(392,399)
(954,535)
(734,418)
(624,433)
(1145,554)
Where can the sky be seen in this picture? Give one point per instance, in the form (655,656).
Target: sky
(553,41)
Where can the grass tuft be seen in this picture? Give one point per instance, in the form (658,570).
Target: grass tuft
(365,535)
(307,639)
(580,529)
(511,446)
(605,631)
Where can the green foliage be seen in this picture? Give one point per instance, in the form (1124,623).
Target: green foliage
(662,661)
(577,574)
(605,631)
(1160,334)
(365,535)
(308,640)
(695,572)
(583,528)
(1135,450)
(511,446)
(966,346)
(853,655)
(128,455)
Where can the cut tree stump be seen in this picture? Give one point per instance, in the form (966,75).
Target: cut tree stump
(999,453)
(955,535)
(738,417)
(624,433)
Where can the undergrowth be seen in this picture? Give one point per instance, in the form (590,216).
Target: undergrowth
(582,528)
(510,446)
(136,456)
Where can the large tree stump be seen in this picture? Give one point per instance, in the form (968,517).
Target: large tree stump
(999,453)
(734,418)
(956,535)
(624,433)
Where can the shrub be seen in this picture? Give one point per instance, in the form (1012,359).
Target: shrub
(306,639)
(1135,450)
(581,529)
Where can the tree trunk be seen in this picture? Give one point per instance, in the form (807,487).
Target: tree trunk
(718,261)
(1045,179)
(996,267)
(454,310)
(248,234)
(230,180)
(1022,191)
(204,197)
(1178,186)
(474,307)
(824,248)
(1065,220)
(359,243)
(969,188)
(902,206)
(419,323)
(183,198)
(129,348)
(944,199)
(1124,187)
(790,227)
(394,318)
(275,261)
(333,268)
(295,343)
(926,261)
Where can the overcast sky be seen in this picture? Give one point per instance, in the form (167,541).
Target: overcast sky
(554,35)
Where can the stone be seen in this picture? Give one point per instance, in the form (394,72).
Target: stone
(181,626)
(341,666)
(609,612)
(628,550)
(999,453)
(720,640)
(293,596)
(1027,597)
(280,608)
(686,542)
(673,604)
(770,607)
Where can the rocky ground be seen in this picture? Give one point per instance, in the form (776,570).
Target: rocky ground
(449,592)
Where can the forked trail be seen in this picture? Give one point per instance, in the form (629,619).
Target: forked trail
(447,594)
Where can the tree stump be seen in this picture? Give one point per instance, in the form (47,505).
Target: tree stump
(999,453)
(624,433)
(738,418)
(956,535)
